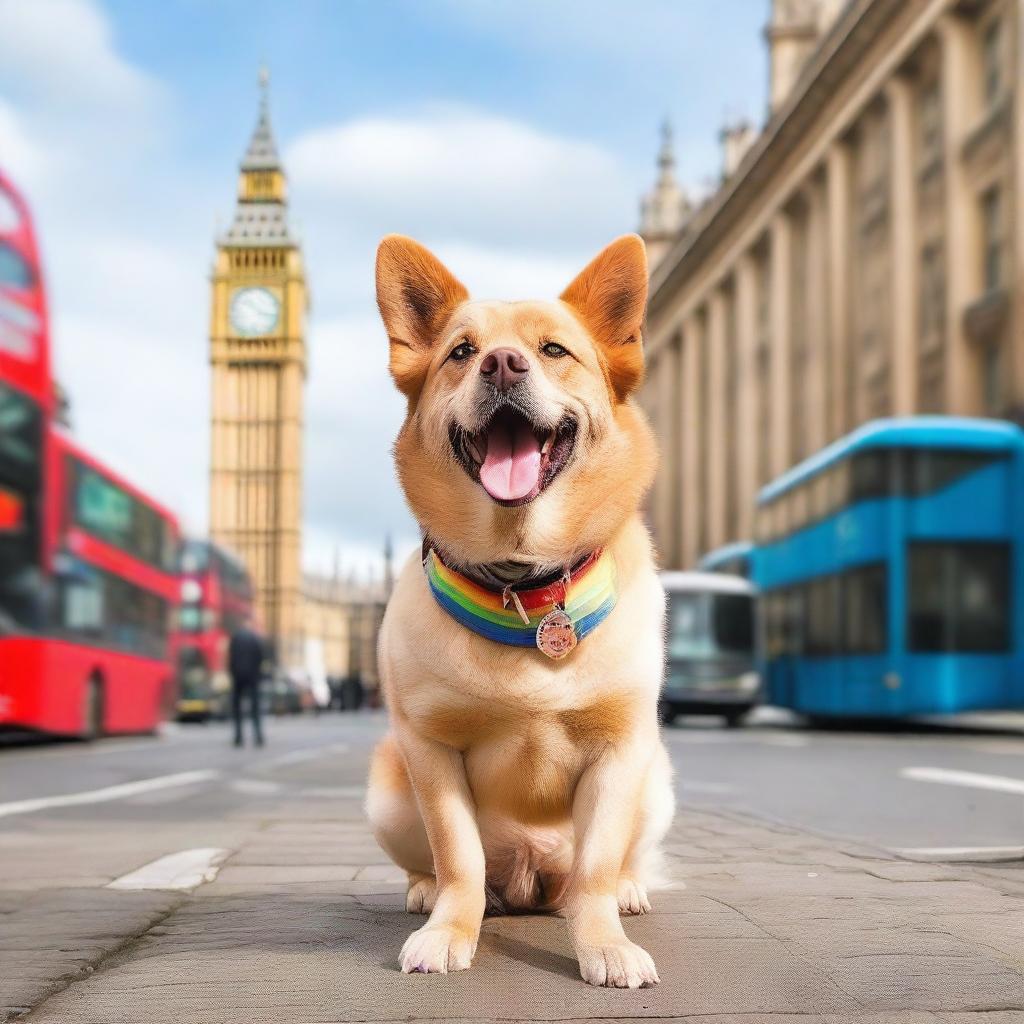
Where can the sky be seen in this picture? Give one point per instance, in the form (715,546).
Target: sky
(513,137)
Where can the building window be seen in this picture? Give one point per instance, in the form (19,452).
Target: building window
(992,61)
(992,238)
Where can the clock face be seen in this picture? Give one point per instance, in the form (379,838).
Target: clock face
(254,311)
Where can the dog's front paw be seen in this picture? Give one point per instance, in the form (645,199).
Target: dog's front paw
(437,949)
(618,965)
(633,897)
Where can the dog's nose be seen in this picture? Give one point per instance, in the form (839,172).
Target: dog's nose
(504,367)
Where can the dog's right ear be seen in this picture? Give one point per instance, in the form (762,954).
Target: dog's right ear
(416,294)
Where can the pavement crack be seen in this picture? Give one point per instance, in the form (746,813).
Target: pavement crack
(105,959)
(789,949)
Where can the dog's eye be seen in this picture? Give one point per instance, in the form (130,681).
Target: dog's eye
(553,349)
(462,351)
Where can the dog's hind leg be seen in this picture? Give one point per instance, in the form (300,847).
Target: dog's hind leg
(642,867)
(397,825)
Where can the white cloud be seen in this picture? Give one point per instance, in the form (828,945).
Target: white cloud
(140,404)
(464,173)
(22,158)
(63,50)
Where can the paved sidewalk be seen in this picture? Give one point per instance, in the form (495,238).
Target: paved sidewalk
(305,921)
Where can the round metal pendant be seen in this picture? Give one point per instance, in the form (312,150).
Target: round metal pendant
(556,635)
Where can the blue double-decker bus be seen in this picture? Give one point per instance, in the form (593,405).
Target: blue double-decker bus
(892,572)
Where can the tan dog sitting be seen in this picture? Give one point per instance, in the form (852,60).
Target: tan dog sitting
(522,656)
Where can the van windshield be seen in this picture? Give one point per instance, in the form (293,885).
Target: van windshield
(703,625)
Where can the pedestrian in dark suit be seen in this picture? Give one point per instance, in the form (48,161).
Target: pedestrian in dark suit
(246,654)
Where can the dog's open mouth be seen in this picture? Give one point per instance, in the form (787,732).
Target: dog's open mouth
(511,458)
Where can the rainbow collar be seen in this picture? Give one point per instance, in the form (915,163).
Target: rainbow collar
(553,617)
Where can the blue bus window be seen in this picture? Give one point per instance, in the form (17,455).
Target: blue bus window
(800,507)
(792,623)
(823,618)
(839,477)
(869,475)
(931,470)
(865,609)
(958,597)
(821,498)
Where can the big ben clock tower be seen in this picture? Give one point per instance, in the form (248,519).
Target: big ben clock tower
(258,360)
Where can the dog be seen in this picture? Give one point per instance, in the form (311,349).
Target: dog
(521,652)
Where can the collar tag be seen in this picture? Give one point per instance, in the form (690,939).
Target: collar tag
(556,634)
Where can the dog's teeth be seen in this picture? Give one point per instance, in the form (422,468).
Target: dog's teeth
(548,443)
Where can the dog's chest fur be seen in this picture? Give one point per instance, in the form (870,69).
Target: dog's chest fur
(527,726)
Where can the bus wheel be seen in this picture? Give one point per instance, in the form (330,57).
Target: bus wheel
(92,710)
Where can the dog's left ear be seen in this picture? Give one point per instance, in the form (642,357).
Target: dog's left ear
(416,293)
(610,296)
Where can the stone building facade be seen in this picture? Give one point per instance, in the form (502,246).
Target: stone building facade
(860,258)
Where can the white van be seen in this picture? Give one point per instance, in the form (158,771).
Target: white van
(711,649)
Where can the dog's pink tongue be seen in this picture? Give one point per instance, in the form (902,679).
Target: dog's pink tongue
(511,468)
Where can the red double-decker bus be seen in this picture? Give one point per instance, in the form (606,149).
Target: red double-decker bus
(87,562)
(216,598)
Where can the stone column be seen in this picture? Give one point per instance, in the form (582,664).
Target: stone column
(961,376)
(715,406)
(840,416)
(746,393)
(817,331)
(692,440)
(902,241)
(780,395)
(664,384)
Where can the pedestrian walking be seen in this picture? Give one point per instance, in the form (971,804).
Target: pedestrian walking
(246,655)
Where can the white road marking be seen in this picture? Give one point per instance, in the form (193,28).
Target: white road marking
(184,870)
(734,737)
(333,792)
(255,787)
(975,780)
(108,793)
(965,853)
(693,786)
(299,756)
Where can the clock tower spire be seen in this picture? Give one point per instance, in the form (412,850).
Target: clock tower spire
(258,364)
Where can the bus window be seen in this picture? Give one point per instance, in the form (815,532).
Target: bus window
(195,556)
(771,612)
(708,625)
(839,490)
(869,475)
(733,622)
(800,513)
(823,621)
(117,517)
(793,623)
(14,271)
(958,597)
(930,471)
(821,487)
(20,436)
(864,610)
